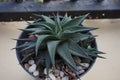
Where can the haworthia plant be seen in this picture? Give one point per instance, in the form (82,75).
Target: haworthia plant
(64,37)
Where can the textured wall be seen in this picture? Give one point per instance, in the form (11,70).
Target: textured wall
(108,41)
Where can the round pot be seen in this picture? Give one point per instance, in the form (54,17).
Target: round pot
(25,35)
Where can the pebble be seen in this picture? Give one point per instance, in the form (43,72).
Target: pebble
(86,65)
(81,71)
(61,74)
(45,71)
(58,78)
(74,74)
(36,73)
(47,79)
(79,68)
(36,35)
(31,62)
(32,68)
(57,72)
(26,66)
(52,76)
(65,78)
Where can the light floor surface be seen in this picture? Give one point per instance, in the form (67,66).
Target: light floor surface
(108,41)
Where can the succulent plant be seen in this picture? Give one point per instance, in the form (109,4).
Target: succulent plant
(59,36)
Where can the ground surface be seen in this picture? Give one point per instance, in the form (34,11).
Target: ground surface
(108,41)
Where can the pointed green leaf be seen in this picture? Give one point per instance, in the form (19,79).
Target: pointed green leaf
(24,39)
(32,45)
(80,37)
(84,17)
(76,21)
(75,49)
(74,70)
(52,45)
(47,62)
(41,32)
(40,39)
(95,55)
(63,51)
(41,57)
(41,25)
(29,29)
(21,46)
(27,22)
(48,19)
(65,19)
(93,50)
(26,57)
(57,22)
(52,26)
(99,52)
(82,28)
(78,30)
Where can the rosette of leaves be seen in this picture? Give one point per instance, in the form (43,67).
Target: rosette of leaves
(62,36)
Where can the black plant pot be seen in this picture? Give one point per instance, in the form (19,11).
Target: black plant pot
(25,35)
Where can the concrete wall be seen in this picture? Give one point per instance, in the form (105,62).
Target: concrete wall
(108,41)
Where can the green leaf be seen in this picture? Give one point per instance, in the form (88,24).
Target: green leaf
(76,21)
(65,19)
(52,26)
(76,36)
(47,62)
(69,33)
(48,19)
(78,29)
(95,55)
(83,17)
(86,43)
(75,49)
(74,70)
(32,45)
(52,45)
(39,41)
(21,46)
(40,58)
(42,24)
(29,29)
(83,28)
(80,37)
(26,57)
(57,23)
(63,51)
(41,32)
(24,39)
